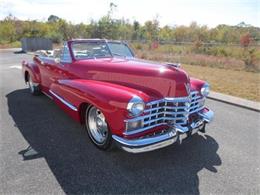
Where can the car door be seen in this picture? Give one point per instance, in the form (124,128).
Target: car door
(45,64)
(60,68)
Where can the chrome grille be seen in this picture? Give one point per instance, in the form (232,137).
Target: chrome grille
(197,102)
(168,110)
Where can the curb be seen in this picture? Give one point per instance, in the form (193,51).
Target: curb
(251,105)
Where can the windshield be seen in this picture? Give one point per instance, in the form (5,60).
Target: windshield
(120,49)
(83,50)
(87,50)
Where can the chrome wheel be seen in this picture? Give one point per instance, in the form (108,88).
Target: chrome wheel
(33,87)
(98,128)
(30,84)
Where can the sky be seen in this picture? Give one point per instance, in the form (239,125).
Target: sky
(169,12)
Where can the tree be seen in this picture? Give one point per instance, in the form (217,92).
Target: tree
(152,30)
(181,33)
(166,34)
(136,29)
(8,30)
(53,18)
(66,29)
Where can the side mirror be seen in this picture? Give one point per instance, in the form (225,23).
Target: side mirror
(57,60)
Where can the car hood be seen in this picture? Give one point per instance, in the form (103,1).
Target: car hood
(155,79)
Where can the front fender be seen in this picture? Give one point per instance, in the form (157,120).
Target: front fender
(111,99)
(196,84)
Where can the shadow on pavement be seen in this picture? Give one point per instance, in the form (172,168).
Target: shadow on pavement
(81,168)
(19,52)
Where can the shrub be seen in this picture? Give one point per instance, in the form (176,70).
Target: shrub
(245,40)
(138,46)
(250,59)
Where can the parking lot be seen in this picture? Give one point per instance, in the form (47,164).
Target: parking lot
(42,150)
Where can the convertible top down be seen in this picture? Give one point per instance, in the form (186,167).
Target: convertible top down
(139,105)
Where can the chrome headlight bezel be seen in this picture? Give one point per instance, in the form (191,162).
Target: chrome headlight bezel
(136,106)
(205,89)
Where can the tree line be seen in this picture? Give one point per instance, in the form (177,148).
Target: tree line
(57,29)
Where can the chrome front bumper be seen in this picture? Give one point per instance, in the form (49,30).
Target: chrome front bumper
(168,137)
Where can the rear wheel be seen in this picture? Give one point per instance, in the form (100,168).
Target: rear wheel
(34,89)
(97,128)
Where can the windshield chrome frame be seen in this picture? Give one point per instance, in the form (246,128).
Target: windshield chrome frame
(101,41)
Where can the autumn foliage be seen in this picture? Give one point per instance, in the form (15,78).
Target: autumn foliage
(245,40)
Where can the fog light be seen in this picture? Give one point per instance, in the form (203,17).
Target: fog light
(133,125)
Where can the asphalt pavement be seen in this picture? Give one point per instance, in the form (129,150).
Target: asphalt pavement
(43,151)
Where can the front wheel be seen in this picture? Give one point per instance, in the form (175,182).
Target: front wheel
(97,128)
(34,89)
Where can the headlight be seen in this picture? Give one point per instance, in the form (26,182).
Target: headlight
(205,90)
(135,106)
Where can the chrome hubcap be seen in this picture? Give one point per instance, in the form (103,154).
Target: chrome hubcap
(97,125)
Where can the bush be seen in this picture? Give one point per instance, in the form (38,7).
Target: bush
(138,46)
(250,59)
(245,40)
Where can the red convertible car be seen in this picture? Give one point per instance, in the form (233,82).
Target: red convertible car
(139,105)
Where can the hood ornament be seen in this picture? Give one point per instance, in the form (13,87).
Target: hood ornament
(176,65)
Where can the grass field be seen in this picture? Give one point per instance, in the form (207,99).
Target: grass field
(237,83)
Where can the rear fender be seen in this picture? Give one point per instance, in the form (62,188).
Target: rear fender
(33,70)
(111,99)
